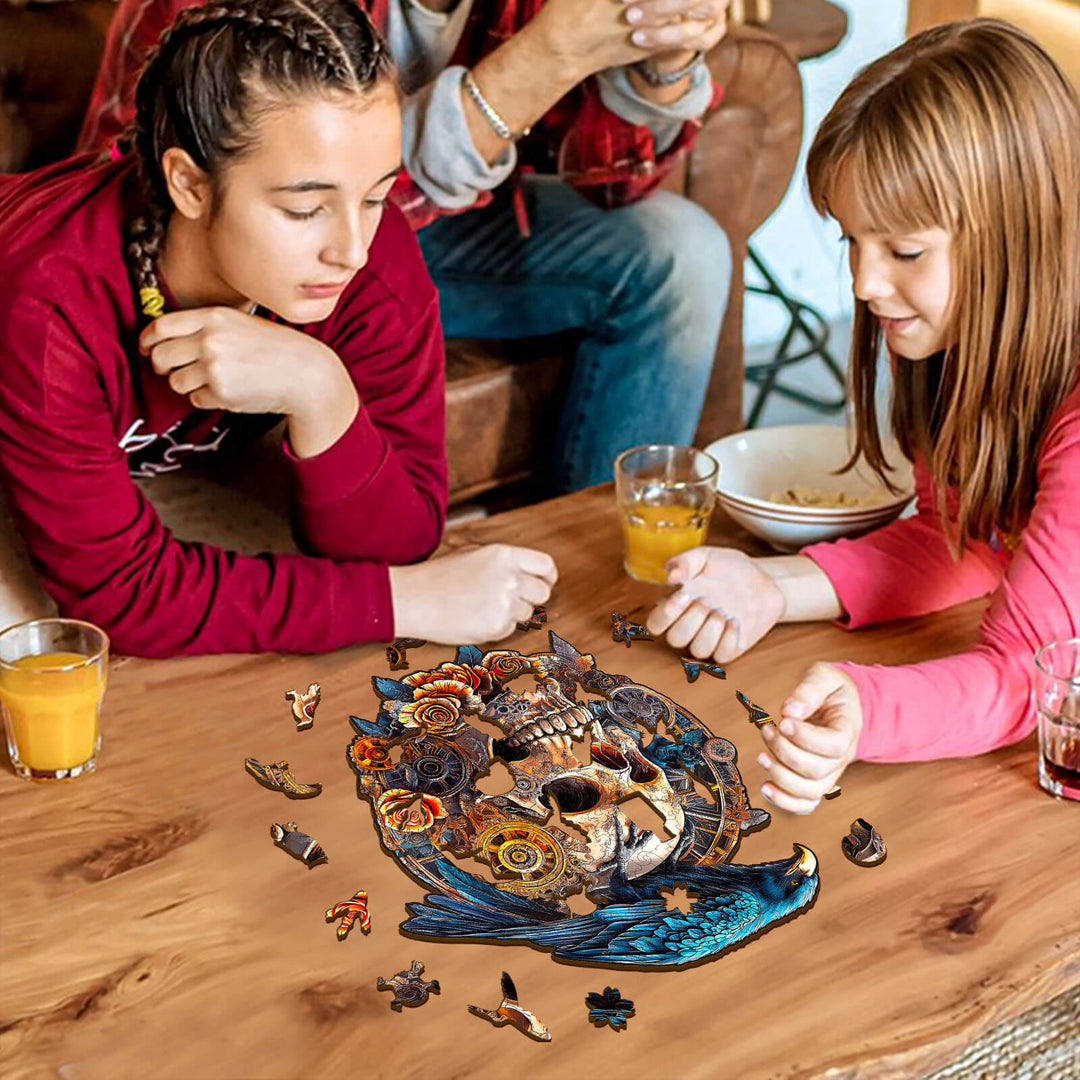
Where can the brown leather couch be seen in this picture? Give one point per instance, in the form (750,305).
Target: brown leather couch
(501,397)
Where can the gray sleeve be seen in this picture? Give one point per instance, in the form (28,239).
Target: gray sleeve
(438,148)
(664,121)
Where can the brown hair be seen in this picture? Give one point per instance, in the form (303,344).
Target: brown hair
(202,87)
(971,128)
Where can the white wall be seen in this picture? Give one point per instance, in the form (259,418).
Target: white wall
(803,251)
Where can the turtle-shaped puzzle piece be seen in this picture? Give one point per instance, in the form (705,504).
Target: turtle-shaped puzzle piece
(409,989)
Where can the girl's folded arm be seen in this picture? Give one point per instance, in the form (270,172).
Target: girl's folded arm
(103,553)
(380,491)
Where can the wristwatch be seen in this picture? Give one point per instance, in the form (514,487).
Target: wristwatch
(667,78)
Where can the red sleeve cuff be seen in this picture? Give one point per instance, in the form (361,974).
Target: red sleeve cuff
(365,603)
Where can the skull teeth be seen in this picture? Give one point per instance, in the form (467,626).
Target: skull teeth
(532,734)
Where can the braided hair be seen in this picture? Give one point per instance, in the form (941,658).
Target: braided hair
(199,91)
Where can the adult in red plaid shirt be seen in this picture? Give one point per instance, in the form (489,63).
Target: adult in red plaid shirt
(551,122)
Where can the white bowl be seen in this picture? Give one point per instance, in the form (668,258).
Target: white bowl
(757,463)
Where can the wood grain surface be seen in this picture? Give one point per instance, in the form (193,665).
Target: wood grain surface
(149,927)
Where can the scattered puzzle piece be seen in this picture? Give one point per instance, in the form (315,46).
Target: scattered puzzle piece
(348,911)
(694,668)
(511,1012)
(863,845)
(409,989)
(304,847)
(277,777)
(757,714)
(832,792)
(622,629)
(304,705)
(534,621)
(609,1008)
(395,651)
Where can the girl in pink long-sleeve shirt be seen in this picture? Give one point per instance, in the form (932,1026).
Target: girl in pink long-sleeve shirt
(952,165)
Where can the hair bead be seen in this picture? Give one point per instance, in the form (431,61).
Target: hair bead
(152,301)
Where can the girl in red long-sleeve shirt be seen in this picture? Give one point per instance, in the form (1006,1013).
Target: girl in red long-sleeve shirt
(238,267)
(953,168)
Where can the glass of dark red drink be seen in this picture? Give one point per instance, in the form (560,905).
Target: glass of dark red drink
(1057,699)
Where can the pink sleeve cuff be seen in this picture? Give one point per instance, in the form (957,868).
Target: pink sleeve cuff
(854,583)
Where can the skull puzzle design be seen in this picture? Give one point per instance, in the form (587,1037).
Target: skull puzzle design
(418,764)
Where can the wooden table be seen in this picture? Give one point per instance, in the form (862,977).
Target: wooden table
(151,929)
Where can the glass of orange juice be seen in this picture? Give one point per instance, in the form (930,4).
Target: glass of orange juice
(52,680)
(666,495)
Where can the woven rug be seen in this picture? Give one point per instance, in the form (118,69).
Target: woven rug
(1043,1044)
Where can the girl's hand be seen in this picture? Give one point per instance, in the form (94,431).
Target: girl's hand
(814,740)
(725,604)
(221,358)
(470,596)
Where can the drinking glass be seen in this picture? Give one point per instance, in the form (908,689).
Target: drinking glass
(665,496)
(1057,699)
(52,681)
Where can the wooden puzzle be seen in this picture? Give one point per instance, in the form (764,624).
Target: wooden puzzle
(348,911)
(756,714)
(534,621)
(418,761)
(409,989)
(395,652)
(298,844)
(694,668)
(510,1012)
(278,777)
(622,629)
(304,705)
(609,1008)
(863,844)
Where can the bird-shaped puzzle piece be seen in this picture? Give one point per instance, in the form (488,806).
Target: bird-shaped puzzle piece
(758,715)
(510,1012)
(304,705)
(622,629)
(694,668)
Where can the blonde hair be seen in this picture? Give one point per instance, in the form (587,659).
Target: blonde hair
(971,128)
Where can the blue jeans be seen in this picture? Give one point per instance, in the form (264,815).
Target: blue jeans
(647,284)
